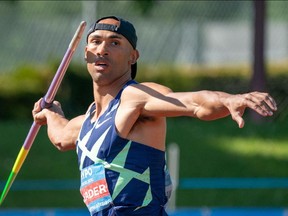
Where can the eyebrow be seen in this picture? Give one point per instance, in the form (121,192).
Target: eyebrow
(112,36)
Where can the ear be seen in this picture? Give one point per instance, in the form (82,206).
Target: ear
(134,56)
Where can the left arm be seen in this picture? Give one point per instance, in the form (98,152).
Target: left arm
(210,105)
(155,100)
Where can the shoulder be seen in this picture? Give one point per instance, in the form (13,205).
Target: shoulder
(157,87)
(145,89)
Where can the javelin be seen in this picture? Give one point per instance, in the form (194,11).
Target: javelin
(46,103)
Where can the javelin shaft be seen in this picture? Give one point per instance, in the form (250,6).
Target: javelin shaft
(20,159)
(47,102)
(53,88)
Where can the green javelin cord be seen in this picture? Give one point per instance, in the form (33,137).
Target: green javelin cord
(9,182)
(18,163)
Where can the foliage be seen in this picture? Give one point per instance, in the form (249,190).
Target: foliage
(21,88)
(144,6)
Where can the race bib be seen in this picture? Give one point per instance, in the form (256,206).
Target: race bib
(94,188)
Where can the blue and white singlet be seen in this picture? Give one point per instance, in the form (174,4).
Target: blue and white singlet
(134,172)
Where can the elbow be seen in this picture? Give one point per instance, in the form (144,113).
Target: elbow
(207,116)
(204,115)
(62,145)
(210,114)
(64,148)
(58,144)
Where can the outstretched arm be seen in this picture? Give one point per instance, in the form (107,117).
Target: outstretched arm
(155,100)
(210,105)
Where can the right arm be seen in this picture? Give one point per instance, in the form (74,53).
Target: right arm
(63,133)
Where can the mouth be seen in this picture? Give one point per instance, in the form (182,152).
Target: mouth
(101,64)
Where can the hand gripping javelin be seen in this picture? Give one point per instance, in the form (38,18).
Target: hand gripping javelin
(46,103)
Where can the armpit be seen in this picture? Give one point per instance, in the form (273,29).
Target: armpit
(144,119)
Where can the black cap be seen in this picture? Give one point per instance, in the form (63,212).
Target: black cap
(125,28)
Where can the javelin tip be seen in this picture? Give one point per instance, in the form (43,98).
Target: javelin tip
(77,36)
(7,187)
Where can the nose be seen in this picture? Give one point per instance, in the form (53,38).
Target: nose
(102,49)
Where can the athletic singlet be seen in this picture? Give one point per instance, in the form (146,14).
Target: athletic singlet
(134,172)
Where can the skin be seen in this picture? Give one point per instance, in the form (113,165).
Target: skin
(144,107)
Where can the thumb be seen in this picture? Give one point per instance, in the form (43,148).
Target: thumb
(238,118)
(241,122)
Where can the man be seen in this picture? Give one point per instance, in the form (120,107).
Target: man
(120,141)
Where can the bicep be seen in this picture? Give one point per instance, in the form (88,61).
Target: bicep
(152,99)
(67,137)
(172,104)
(201,104)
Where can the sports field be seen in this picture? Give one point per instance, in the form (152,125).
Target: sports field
(208,150)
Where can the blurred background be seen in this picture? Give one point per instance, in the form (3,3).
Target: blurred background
(233,46)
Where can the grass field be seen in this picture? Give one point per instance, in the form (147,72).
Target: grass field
(221,149)
(207,149)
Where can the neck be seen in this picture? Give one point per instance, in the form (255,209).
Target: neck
(103,94)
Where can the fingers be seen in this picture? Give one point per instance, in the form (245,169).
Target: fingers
(40,119)
(39,114)
(270,101)
(260,102)
(36,113)
(56,107)
(57,103)
(237,116)
(37,107)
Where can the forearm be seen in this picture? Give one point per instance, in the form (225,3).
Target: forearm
(211,105)
(58,132)
(205,105)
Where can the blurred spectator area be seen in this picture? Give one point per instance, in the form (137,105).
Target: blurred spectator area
(178,32)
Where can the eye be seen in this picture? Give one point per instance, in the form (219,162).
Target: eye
(95,41)
(115,43)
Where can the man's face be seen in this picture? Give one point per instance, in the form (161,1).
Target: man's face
(109,55)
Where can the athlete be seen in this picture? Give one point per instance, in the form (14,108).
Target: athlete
(120,141)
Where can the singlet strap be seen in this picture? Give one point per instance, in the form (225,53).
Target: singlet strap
(130,82)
